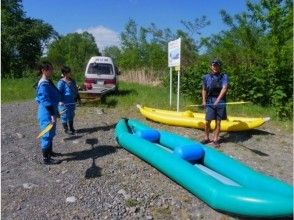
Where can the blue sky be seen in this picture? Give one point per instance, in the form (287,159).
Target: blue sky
(106,19)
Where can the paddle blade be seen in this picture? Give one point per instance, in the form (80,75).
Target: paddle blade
(48,128)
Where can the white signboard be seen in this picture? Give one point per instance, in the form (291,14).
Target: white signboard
(174,53)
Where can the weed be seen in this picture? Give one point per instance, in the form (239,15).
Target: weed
(131,202)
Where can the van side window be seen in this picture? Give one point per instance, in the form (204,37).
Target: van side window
(100,69)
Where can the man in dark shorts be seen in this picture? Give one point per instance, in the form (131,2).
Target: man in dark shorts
(214,89)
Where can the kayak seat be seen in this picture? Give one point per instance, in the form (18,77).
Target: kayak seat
(190,152)
(149,135)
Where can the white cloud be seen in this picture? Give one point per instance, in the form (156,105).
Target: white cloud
(104,37)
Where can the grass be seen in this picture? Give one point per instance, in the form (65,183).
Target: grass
(131,203)
(161,212)
(131,94)
(17,89)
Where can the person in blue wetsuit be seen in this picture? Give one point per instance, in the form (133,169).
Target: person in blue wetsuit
(214,89)
(47,98)
(69,91)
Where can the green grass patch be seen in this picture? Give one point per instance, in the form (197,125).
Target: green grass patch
(131,203)
(17,89)
(131,94)
(161,212)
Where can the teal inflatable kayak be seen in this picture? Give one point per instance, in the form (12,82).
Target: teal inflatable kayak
(225,184)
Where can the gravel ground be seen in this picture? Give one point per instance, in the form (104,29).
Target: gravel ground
(99,180)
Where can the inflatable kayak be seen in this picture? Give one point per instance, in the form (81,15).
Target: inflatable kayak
(197,120)
(225,184)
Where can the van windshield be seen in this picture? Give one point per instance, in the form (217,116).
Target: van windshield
(100,69)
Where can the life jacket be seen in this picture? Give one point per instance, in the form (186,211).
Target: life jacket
(216,85)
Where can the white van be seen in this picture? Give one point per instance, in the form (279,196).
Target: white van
(101,73)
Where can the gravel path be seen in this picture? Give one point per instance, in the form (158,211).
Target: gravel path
(99,180)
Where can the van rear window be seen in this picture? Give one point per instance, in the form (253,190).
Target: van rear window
(100,69)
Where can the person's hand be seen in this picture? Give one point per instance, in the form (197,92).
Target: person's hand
(203,104)
(215,103)
(53,119)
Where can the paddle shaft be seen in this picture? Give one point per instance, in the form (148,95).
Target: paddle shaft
(226,103)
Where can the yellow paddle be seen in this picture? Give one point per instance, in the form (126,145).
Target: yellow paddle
(226,103)
(48,128)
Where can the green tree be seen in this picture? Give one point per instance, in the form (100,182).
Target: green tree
(257,52)
(23,39)
(73,50)
(146,47)
(276,17)
(113,51)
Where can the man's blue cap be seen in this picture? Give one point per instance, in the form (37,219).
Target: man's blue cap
(216,61)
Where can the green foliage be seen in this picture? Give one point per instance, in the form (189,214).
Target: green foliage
(23,39)
(143,47)
(146,47)
(113,52)
(191,80)
(189,50)
(73,50)
(257,52)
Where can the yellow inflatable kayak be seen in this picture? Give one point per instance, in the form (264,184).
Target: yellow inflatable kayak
(197,120)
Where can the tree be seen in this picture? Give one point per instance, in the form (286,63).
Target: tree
(23,39)
(73,50)
(257,52)
(113,51)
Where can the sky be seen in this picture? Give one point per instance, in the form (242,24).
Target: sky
(106,19)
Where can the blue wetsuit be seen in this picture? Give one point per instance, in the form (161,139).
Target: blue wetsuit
(47,98)
(69,94)
(213,84)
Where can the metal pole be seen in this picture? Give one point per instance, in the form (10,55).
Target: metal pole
(178,95)
(170,86)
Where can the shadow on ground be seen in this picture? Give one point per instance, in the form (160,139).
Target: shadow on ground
(95,129)
(95,152)
(93,171)
(240,137)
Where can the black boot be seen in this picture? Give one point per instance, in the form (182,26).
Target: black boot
(65,127)
(51,152)
(71,128)
(47,158)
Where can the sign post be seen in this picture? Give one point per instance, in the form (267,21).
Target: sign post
(174,60)
(170,85)
(178,94)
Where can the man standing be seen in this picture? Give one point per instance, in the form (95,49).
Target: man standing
(214,89)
